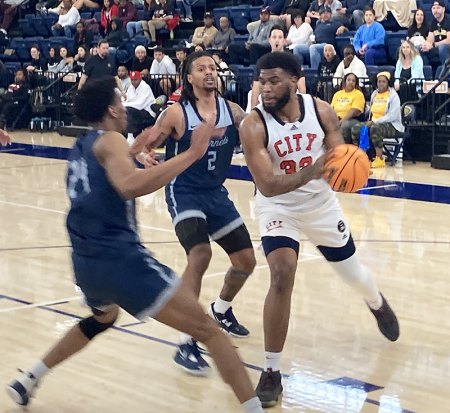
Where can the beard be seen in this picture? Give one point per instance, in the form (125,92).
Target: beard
(279,104)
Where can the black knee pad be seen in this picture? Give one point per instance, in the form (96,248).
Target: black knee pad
(191,232)
(90,327)
(237,240)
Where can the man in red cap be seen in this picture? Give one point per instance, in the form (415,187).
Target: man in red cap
(139,100)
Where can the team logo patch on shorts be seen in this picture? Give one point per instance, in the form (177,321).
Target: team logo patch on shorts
(341,226)
(274,225)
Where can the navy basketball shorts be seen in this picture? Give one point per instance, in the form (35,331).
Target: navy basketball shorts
(214,206)
(132,279)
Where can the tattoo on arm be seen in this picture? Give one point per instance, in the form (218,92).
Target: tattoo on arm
(238,114)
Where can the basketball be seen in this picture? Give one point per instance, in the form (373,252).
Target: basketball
(349,168)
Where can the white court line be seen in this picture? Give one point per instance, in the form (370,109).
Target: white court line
(260,267)
(64,213)
(27,306)
(380,186)
(12,150)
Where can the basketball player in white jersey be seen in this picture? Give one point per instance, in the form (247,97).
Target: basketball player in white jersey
(286,141)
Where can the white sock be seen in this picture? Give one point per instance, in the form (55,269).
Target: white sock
(185,339)
(272,361)
(360,279)
(221,306)
(39,370)
(253,406)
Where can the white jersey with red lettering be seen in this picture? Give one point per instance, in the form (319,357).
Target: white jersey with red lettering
(292,146)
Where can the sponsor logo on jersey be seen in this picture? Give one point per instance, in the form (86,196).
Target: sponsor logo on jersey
(341,226)
(274,225)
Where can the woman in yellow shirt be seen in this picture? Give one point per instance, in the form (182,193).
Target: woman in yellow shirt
(348,103)
(385,119)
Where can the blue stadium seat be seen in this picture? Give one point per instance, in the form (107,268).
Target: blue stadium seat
(26,26)
(86,15)
(428,72)
(13,66)
(97,16)
(372,71)
(254,13)
(41,26)
(219,12)
(240,38)
(240,17)
(341,42)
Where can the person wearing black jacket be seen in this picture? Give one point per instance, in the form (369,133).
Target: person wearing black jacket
(37,67)
(82,37)
(16,96)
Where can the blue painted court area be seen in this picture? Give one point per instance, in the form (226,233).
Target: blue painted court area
(340,382)
(377,187)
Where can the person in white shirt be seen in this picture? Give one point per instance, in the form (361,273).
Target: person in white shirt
(300,31)
(163,66)
(68,19)
(350,64)
(122,74)
(139,100)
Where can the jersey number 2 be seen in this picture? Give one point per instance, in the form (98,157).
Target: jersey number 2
(212,156)
(290,167)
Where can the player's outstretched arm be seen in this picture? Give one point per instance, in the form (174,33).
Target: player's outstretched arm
(253,139)
(155,135)
(5,139)
(330,124)
(112,151)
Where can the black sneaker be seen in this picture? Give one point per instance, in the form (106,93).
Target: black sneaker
(21,390)
(228,322)
(387,320)
(269,388)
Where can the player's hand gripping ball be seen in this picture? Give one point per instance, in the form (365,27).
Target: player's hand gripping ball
(347,169)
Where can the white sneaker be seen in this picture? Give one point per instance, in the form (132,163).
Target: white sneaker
(21,390)
(187,20)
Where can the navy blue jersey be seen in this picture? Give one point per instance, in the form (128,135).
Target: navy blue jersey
(210,171)
(99,220)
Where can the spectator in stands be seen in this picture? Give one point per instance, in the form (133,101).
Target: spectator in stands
(162,68)
(224,74)
(181,55)
(314,11)
(127,13)
(54,59)
(277,40)
(79,60)
(139,100)
(15,97)
(185,5)
(68,18)
(224,37)
(82,37)
(162,12)
(439,34)
(109,12)
(7,13)
(116,36)
(38,62)
(350,64)
(325,33)
(88,4)
(122,74)
(408,72)
(141,61)
(300,32)
(419,29)
(291,8)
(199,48)
(65,64)
(275,7)
(327,68)
(354,12)
(257,43)
(385,120)
(204,35)
(349,104)
(99,65)
(369,39)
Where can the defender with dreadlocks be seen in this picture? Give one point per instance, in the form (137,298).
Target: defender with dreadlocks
(197,200)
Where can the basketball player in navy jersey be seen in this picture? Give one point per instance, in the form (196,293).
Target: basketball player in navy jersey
(197,200)
(286,141)
(111,266)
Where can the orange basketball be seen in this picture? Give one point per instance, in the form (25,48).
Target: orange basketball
(349,168)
